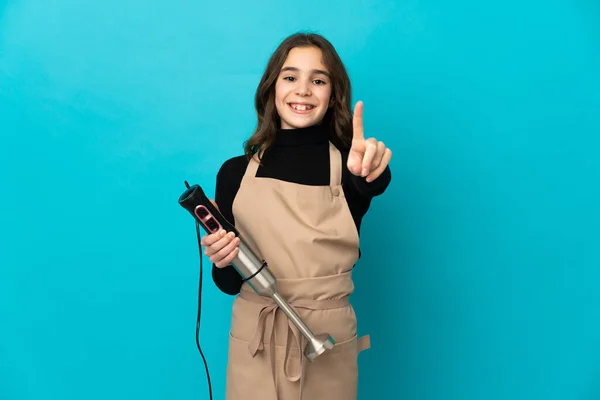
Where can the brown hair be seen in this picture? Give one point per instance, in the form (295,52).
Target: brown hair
(338,116)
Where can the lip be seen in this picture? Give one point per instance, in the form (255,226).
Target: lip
(302,112)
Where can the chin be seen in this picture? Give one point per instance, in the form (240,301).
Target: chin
(300,124)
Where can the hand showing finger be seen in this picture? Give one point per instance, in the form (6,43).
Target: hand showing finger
(367,158)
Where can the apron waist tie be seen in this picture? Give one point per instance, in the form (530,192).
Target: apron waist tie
(266,324)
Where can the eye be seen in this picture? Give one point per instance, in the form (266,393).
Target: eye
(319,82)
(289,78)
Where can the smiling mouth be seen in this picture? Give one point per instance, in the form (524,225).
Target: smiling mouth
(301,108)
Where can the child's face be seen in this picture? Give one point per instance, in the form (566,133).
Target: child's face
(303,89)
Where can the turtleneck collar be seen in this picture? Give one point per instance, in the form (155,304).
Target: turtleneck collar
(314,134)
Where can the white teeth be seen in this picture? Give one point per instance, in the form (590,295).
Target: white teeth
(301,107)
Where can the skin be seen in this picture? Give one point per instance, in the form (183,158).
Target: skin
(368,157)
(304,80)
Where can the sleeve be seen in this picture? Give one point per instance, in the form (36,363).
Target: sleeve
(359,193)
(371,189)
(227,279)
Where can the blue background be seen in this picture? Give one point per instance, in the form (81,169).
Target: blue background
(480,275)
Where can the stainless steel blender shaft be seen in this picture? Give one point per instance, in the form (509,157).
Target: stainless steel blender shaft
(264,283)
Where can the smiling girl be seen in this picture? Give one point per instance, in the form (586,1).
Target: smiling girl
(298,196)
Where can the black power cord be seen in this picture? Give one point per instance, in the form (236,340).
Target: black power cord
(200,307)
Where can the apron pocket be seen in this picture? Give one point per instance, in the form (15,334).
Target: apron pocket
(334,374)
(248,378)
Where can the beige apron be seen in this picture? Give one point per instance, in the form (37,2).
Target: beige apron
(309,239)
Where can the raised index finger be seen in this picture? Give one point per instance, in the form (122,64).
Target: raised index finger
(357,122)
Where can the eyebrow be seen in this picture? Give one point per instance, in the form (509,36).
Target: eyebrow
(314,71)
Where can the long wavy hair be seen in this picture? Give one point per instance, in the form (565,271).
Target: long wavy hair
(339,115)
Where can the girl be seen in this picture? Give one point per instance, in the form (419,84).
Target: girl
(298,196)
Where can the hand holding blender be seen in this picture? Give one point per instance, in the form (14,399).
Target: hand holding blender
(221,246)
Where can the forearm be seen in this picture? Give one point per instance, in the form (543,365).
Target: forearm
(227,279)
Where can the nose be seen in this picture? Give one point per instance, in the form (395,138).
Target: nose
(303,88)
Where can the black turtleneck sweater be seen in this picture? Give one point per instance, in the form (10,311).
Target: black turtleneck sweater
(299,156)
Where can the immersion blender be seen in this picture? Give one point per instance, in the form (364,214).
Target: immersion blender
(253,270)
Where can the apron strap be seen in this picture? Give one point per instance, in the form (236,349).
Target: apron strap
(252,167)
(364,343)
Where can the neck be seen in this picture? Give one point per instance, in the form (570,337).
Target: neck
(301,136)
